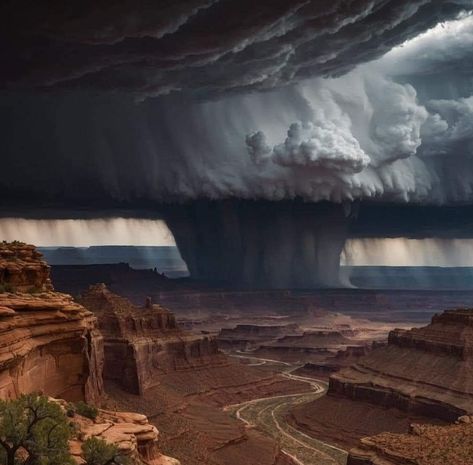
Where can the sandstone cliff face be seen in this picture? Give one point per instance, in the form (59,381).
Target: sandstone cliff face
(51,344)
(22,269)
(132,433)
(143,343)
(249,336)
(424,445)
(426,370)
(48,342)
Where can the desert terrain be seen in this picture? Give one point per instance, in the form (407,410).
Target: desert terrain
(283,377)
(274,357)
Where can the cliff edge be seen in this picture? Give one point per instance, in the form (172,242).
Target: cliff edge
(428,370)
(48,342)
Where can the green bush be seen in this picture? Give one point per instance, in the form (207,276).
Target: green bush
(86,410)
(71,411)
(98,452)
(33,430)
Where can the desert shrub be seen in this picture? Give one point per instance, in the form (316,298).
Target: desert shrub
(86,410)
(96,451)
(70,411)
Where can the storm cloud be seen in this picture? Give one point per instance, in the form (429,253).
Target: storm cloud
(202,47)
(298,102)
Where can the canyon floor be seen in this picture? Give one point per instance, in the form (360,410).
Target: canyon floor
(269,414)
(264,401)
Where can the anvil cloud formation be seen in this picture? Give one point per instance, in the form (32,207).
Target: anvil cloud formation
(217,99)
(114,104)
(203,47)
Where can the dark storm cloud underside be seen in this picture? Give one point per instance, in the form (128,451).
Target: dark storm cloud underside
(368,219)
(204,47)
(83,150)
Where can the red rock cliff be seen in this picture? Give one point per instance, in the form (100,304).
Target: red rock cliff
(48,342)
(132,433)
(425,370)
(143,343)
(22,269)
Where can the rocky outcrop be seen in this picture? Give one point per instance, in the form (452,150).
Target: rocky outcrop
(260,331)
(142,343)
(333,363)
(428,371)
(48,342)
(313,339)
(118,317)
(132,434)
(22,269)
(51,344)
(250,336)
(423,445)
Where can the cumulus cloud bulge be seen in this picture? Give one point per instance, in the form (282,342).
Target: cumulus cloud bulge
(202,110)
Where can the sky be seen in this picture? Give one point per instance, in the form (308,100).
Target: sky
(208,99)
(199,110)
(152,232)
(400,251)
(86,232)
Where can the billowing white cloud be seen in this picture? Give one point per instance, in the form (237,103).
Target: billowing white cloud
(396,120)
(258,148)
(371,133)
(325,145)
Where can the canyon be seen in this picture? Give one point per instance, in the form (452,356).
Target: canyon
(283,377)
(423,370)
(105,350)
(51,344)
(143,343)
(181,381)
(402,399)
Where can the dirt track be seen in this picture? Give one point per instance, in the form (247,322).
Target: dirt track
(269,414)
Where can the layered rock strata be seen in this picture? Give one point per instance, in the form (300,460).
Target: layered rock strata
(22,269)
(132,434)
(428,371)
(333,363)
(250,336)
(423,445)
(48,342)
(142,343)
(51,344)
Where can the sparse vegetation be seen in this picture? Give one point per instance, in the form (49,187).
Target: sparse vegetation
(33,431)
(98,452)
(86,410)
(16,243)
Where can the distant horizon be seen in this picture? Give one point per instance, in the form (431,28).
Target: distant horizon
(354,243)
(142,232)
(55,247)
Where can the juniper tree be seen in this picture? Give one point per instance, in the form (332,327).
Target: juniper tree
(33,431)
